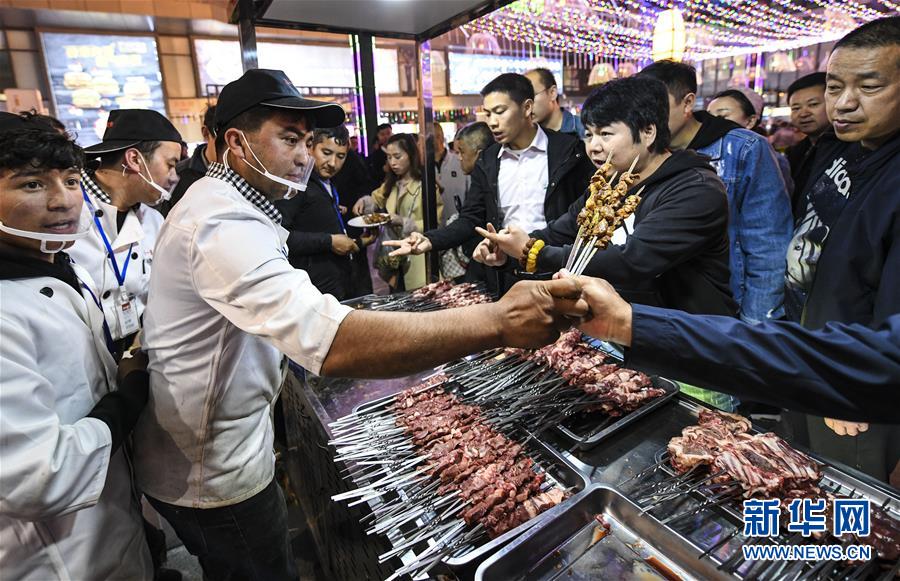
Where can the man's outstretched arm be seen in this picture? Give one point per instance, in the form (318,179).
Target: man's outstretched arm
(531,314)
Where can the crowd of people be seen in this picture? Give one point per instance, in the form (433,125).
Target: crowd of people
(151,302)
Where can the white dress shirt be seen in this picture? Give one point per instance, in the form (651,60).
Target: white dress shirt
(224,307)
(522,184)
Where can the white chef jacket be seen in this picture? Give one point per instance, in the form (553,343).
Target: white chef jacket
(224,305)
(454,184)
(137,239)
(522,184)
(66,506)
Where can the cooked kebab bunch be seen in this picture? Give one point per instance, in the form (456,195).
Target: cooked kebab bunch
(482,466)
(447,294)
(607,206)
(764,464)
(616,390)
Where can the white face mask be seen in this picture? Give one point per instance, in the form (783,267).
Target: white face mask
(164,194)
(84,226)
(293,187)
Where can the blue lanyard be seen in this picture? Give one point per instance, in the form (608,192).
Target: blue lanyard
(110,343)
(335,201)
(120,276)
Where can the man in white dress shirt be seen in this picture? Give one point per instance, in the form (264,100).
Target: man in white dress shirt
(529,176)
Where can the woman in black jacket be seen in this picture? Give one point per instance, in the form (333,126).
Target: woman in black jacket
(674,251)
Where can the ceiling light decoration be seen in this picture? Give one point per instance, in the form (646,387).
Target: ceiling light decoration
(669,36)
(715,28)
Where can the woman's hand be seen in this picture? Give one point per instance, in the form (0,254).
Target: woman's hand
(359,208)
(511,240)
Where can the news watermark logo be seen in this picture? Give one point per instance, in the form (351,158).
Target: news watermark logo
(808,517)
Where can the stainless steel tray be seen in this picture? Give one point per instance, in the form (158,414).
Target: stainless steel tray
(559,471)
(587,430)
(563,546)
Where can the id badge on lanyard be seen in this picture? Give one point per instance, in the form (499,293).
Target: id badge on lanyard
(123,301)
(126,312)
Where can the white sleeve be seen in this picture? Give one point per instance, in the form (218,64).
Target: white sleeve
(239,269)
(47,468)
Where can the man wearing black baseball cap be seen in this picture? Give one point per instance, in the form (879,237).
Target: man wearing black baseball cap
(134,169)
(226,306)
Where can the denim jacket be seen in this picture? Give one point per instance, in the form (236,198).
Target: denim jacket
(760,221)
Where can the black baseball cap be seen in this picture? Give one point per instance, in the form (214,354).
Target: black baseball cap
(272,89)
(127,127)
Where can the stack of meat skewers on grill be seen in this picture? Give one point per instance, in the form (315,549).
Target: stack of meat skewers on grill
(543,388)
(480,464)
(456,471)
(437,296)
(605,209)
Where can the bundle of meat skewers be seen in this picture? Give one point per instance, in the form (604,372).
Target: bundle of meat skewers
(436,296)
(615,390)
(475,461)
(461,476)
(765,466)
(452,296)
(605,209)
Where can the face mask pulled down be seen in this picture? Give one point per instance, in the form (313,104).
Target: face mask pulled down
(293,187)
(164,194)
(58,240)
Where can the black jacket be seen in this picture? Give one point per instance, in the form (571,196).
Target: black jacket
(311,219)
(802,158)
(677,255)
(858,274)
(569,172)
(189,170)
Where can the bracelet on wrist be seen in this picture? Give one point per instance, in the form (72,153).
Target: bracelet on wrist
(523,261)
(531,263)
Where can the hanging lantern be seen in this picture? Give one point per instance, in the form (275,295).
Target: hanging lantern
(601,73)
(669,36)
(627,69)
(782,62)
(482,42)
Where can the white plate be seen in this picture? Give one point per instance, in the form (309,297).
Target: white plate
(360,222)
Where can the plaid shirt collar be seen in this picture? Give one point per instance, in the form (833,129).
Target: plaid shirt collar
(93,188)
(220,172)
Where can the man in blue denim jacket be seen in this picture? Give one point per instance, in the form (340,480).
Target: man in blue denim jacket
(760,219)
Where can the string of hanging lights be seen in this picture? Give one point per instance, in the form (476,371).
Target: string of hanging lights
(624,28)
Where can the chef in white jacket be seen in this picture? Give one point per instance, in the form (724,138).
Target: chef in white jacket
(137,159)
(224,308)
(67,509)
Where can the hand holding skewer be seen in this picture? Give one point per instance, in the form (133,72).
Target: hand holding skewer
(609,315)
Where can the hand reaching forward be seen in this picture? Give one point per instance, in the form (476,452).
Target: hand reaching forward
(610,315)
(416,243)
(487,252)
(533,313)
(511,240)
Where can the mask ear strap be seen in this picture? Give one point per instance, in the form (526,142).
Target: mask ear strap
(250,149)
